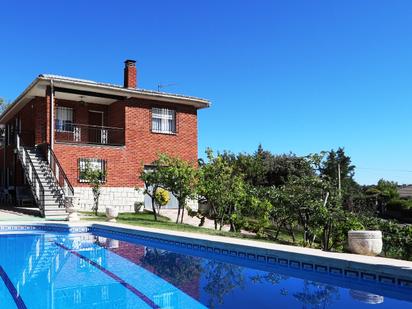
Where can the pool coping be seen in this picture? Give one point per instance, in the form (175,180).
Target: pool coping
(373,269)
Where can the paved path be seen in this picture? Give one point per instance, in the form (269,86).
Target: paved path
(195,221)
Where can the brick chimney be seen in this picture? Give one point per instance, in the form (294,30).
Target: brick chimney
(130,80)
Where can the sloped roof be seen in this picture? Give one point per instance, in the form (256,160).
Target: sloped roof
(119,87)
(38,86)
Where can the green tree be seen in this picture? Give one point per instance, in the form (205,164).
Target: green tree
(334,159)
(223,189)
(337,162)
(179,177)
(280,216)
(255,212)
(383,192)
(95,178)
(3,105)
(263,168)
(152,181)
(305,198)
(388,189)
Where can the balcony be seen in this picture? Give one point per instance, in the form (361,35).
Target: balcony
(89,134)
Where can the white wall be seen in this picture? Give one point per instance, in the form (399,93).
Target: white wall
(121,197)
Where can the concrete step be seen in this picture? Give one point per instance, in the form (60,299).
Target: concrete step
(55,208)
(57,218)
(54,213)
(51,204)
(36,154)
(51,201)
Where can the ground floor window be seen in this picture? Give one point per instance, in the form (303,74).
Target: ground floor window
(95,164)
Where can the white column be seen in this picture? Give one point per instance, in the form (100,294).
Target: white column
(51,114)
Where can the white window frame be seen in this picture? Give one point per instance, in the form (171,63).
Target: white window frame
(63,114)
(94,163)
(165,115)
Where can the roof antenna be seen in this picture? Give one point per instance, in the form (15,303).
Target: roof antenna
(161,86)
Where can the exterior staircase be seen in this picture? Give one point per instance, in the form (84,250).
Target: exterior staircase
(53,197)
(50,193)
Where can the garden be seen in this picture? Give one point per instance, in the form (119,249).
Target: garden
(310,201)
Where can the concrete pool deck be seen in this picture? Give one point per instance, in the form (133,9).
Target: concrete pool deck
(12,216)
(345,265)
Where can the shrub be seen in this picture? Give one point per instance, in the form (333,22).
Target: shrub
(398,205)
(162,197)
(138,206)
(397,238)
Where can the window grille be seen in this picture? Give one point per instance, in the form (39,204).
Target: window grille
(163,120)
(94,164)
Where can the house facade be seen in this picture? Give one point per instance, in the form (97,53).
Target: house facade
(60,125)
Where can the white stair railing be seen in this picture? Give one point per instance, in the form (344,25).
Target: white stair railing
(31,174)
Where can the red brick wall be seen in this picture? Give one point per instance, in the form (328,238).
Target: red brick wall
(80,116)
(32,119)
(130,76)
(123,163)
(141,145)
(39,114)
(116,112)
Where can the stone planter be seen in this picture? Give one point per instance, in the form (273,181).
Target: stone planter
(111,214)
(138,207)
(71,208)
(365,242)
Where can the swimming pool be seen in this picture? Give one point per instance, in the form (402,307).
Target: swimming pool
(100,269)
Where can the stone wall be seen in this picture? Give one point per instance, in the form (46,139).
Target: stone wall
(121,197)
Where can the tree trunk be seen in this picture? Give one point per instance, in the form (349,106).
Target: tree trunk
(291,232)
(202,221)
(183,212)
(154,208)
(96,203)
(178,213)
(96,207)
(232,227)
(276,234)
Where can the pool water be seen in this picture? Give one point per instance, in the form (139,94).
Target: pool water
(46,270)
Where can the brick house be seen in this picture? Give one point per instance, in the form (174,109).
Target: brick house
(60,124)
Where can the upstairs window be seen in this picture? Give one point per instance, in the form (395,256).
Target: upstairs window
(163,120)
(64,119)
(94,164)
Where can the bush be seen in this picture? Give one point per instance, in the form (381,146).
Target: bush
(138,206)
(397,238)
(162,197)
(399,205)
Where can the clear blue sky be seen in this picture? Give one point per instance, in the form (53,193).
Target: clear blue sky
(300,76)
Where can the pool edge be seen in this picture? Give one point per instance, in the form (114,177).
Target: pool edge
(378,269)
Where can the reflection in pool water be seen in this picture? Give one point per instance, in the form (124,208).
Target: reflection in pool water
(89,271)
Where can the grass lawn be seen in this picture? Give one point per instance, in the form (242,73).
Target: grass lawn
(146,219)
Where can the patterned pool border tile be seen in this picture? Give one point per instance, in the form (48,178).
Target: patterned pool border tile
(258,257)
(44,228)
